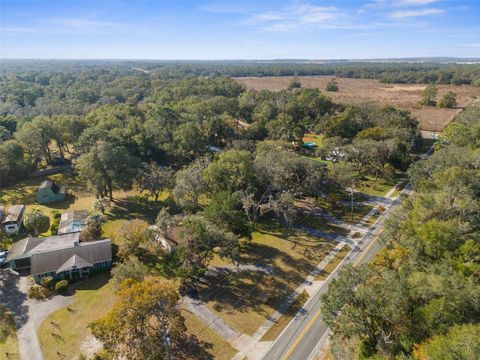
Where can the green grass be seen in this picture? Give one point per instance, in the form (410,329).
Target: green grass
(344,213)
(62,334)
(320,224)
(333,263)
(212,343)
(283,321)
(243,299)
(376,187)
(9,349)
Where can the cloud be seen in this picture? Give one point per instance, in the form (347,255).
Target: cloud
(415,2)
(66,25)
(300,17)
(403,14)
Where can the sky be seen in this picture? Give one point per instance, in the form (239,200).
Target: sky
(213,30)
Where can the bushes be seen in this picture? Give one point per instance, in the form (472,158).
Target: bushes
(61,287)
(38,292)
(47,282)
(56,222)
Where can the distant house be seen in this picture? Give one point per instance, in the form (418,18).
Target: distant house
(50,192)
(60,256)
(72,221)
(13,220)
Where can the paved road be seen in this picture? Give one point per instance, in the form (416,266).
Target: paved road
(307,331)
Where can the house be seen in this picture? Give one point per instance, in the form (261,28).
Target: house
(50,192)
(72,221)
(13,220)
(60,256)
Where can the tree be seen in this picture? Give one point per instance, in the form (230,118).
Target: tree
(101,204)
(286,128)
(332,86)
(156,179)
(190,184)
(36,221)
(201,240)
(129,268)
(188,141)
(294,84)
(231,171)
(91,232)
(133,235)
(460,342)
(429,95)
(145,314)
(449,100)
(106,167)
(361,303)
(225,210)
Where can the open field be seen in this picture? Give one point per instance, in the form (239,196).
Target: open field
(355,91)
(245,299)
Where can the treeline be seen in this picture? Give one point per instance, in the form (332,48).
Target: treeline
(420,296)
(174,121)
(29,88)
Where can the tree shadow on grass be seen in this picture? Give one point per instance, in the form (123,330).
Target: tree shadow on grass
(135,207)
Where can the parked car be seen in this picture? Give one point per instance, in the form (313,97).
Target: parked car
(3,257)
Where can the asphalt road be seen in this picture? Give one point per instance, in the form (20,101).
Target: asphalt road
(307,331)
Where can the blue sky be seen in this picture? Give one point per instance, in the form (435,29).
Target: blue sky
(246,29)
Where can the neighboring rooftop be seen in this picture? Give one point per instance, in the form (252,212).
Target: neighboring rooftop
(13,213)
(48,184)
(72,221)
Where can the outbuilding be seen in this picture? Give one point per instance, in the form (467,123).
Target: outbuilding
(72,221)
(49,192)
(13,220)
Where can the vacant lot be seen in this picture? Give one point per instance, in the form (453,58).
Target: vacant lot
(355,91)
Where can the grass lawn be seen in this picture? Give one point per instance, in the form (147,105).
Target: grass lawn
(283,321)
(320,224)
(63,333)
(327,270)
(9,349)
(211,342)
(399,189)
(343,212)
(376,187)
(245,299)
(371,220)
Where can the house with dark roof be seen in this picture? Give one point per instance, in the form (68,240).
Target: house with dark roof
(50,192)
(60,256)
(72,221)
(13,220)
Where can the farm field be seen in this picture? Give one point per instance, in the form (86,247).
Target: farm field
(355,91)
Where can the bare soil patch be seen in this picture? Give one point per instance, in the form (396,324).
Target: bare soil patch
(355,91)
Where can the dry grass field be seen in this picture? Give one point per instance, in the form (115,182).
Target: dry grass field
(355,91)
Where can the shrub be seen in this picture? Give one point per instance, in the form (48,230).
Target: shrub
(332,86)
(36,222)
(449,100)
(38,292)
(47,282)
(61,287)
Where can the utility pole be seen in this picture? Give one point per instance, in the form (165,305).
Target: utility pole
(166,338)
(351,191)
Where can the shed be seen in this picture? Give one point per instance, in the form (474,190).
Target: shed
(13,219)
(50,192)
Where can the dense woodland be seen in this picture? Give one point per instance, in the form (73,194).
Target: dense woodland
(231,157)
(420,298)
